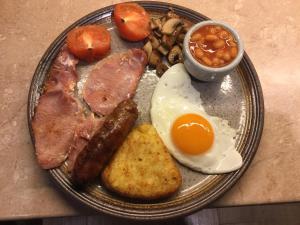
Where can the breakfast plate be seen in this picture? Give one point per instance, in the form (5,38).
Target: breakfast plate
(237,98)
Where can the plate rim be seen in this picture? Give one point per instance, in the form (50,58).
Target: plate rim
(257,121)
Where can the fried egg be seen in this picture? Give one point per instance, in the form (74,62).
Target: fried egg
(197,140)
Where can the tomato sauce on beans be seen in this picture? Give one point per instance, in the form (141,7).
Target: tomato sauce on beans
(213,46)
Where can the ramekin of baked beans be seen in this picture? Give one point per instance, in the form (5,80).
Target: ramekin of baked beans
(211,49)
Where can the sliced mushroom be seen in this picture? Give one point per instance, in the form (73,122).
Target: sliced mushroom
(186,27)
(154,41)
(175,55)
(154,58)
(163,20)
(161,68)
(180,38)
(157,33)
(168,41)
(163,50)
(155,24)
(177,31)
(148,49)
(170,26)
(172,14)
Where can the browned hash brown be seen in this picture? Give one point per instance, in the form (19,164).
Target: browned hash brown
(142,168)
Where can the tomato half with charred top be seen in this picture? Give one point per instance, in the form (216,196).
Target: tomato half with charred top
(132,20)
(89,43)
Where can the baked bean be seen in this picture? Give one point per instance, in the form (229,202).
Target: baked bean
(218,28)
(213,46)
(199,53)
(230,38)
(201,41)
(206,60)
(196,37)
(233,52)
(219,43)
(226,56)
(232,43)
(211,37)
(223,34)
(215,61)
(220,53)
(213,30)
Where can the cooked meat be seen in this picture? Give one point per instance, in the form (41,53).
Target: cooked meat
(113,80)
(59,124)
(83,134)
(92,159)
(56,117)
(62,75)
(142,167)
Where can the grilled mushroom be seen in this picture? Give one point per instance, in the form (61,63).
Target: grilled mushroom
(154,58)
(163,50)
(177,31)
(161,68)
(148,49)
(157,33)
(163,20)
(154,41)
(175,55)
(180,38)
(186,27)
(155,24)
(168,41)
(170,26)
(172,14)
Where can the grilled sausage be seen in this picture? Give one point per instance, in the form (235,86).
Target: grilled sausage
(105,142)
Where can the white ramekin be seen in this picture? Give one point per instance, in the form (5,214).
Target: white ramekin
(205,73)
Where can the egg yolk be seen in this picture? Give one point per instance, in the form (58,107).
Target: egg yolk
(192,134)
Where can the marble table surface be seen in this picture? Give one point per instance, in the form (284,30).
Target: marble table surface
(271,34)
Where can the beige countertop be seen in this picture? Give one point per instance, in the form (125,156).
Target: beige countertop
(271,33)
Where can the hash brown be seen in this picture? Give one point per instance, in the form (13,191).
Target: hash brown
(142,168)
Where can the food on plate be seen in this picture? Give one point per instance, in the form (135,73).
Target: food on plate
(213,46)
(161,68)
(197,140)
(62,75)
(113,80)
(142,168)
(65,130)
(185,131)
(83,133)
(175,55)
(170,25)
(154,59)
(132,21)
(166,41)
(89,43)
(92,159)
(57,112)
(60,126)
(56,117)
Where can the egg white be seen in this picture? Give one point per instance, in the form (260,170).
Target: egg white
(174,96)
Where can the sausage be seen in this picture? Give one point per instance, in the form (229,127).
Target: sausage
(105,142)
